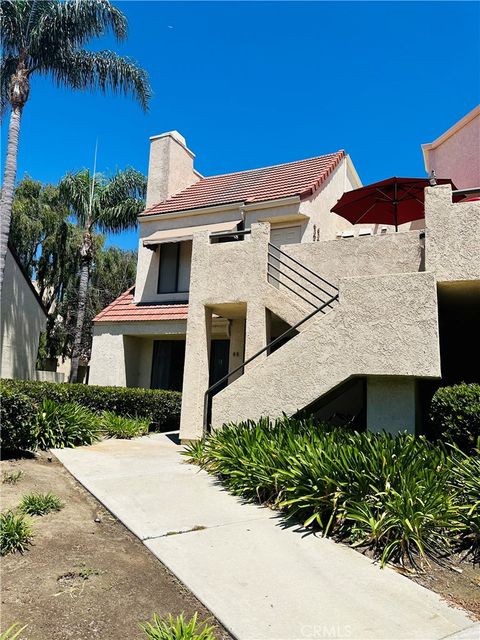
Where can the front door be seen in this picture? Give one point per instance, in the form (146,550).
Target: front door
(167,364)
(219,357)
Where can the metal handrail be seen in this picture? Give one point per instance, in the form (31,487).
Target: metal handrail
(226,234)
(284,264)
(270,275)
(303,266)
(208,392)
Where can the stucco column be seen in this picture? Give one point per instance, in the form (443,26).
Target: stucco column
(196,373)
(391,404)
(197,345)
(237,347)
(255,332)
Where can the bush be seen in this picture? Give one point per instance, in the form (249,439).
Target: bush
(394,495)
(17,419)
(115,426)
(15,533)
(177,629)
(161,407)
(65,425)
(455,415)
(39,504)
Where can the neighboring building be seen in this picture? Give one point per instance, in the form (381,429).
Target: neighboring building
(226,264)
(456,153)
(23,319)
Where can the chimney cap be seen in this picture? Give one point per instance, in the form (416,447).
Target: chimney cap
(174,135)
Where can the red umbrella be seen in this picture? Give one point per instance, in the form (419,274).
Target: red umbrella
(393,201)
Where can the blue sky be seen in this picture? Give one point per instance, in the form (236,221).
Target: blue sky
(251,84)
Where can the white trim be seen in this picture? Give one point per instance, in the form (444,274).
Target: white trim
(191,212)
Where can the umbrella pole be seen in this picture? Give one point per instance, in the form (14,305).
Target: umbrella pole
(395,204)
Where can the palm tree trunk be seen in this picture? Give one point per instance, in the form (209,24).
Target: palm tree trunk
(8,186)
(81,304)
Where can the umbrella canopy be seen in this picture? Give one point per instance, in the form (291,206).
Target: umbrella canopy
(393,201)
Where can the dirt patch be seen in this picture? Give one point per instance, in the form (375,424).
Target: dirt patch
(458,583)
(85,576)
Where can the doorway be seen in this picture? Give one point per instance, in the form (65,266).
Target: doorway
(167,364)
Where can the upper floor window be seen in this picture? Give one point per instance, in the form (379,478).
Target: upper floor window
(174,269)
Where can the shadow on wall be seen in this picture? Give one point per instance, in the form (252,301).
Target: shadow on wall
(22,321)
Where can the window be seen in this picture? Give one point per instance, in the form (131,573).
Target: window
(174,270)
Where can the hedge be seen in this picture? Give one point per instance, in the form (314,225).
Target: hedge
(159,406)
(17,418)
(455,415)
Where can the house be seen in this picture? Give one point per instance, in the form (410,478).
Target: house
(23,319)
(249,282)
(456,153)
(139,340)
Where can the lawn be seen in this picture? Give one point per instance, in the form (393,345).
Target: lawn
(85,575)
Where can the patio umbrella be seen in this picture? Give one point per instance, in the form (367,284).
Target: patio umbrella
(393,201)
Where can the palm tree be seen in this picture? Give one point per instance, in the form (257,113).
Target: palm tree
(98,204)
(45,37)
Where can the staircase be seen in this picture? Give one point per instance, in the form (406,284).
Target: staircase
(317,296)
(386,325)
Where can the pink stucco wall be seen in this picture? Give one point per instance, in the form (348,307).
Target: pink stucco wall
(458,157)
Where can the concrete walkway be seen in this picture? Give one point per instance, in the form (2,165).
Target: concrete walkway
(260,580)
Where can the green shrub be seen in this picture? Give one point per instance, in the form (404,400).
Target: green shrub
(39,504)
(177,629)
(17,419)
(115,426)
(394,495)
(65,425)
(161,407)
(455,415)
(15,533)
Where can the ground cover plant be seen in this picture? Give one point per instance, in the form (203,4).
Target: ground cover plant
(177,629)
(60,425)
(402,498)
(114,426)
(15,533)
(39,504)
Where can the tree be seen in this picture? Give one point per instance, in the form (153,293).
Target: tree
(46,37)
(98,204)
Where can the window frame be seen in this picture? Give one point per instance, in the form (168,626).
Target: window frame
(177,270)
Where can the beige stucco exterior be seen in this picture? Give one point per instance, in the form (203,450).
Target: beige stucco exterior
(22,320)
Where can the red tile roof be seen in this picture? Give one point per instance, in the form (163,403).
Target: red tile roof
(123,309)
(301,178)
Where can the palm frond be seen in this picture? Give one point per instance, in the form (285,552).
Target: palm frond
(104,70)
(72,23)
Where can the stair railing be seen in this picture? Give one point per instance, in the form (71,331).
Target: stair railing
(209,393)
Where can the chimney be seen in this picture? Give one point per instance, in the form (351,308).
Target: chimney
(170,167)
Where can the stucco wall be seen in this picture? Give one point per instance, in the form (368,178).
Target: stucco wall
(384,325)
(22,321)
(122,351)
(452,243)
(148,261)
(364,256)
(318,207)
(458,156)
